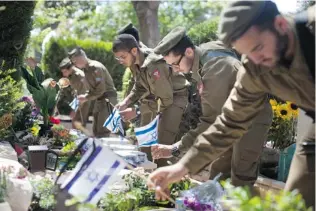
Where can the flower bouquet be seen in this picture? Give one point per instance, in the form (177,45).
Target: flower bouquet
(204,197)
(283,129)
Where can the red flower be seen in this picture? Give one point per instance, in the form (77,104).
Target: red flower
(18,149)
(54,120)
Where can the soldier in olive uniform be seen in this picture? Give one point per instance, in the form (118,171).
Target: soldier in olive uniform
(77,82)
(100,88)
(275,64)
(146,114)
(153,77)
(214,68)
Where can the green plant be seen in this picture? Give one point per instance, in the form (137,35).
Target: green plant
(16,24)
(43,91)
(3,184)
(138,196)
(10,93)
(242,200)
(204,32)
(44,190)
(283,129)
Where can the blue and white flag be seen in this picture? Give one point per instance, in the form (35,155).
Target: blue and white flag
(74,104)
(148,134)
(114,123)
(93,174)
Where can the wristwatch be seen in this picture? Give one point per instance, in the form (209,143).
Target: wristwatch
(137,110)
(175,151)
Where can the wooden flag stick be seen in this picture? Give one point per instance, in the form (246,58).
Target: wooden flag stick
(158,111)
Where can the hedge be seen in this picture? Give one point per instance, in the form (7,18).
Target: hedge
(15,27)
(101,51)
(204,32)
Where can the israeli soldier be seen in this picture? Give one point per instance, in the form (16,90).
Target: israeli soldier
(145,105)
(100,88)
(214,69)
(77,83)
(153,77)
(276,62)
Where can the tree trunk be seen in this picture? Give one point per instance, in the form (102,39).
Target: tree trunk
(15,27)
(147,14)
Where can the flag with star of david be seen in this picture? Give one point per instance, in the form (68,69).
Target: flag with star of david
(74,104)
(148,135)
(114,123)
(93,174)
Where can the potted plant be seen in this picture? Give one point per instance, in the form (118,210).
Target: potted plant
(283,134)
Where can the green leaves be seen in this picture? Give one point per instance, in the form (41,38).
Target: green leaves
(283,201)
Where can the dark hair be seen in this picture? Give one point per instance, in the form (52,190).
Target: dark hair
(132,31)
(181,46)
(124,42)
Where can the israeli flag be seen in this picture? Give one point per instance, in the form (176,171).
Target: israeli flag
(114,123)
(74,104)
(148,134)
(93,175)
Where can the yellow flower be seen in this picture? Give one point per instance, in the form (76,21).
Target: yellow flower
(293,108)
(273,102)
(283,112)
(35,130)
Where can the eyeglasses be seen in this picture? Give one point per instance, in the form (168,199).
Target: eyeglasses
(176,64)
(123,57)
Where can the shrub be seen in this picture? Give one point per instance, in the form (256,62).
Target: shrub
(10,93)
(204,32)
(16,24)
(101,51)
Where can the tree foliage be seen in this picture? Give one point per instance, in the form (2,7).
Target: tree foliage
(15,27)
(101,20)
(303,5)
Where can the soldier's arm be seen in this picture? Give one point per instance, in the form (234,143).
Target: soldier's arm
(218,81)
(161,83)
(135,94)
(243,104)
(99,86)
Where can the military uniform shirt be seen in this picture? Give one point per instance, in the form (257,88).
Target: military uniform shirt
(98,79)
(247,98)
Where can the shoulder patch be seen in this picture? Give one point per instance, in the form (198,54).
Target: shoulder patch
(156,74)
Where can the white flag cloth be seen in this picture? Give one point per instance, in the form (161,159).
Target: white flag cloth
(93,174)
(114,123)
(148,134)
(74,104)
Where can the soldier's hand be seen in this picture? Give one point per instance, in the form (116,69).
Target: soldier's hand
(161,151)
(31,62)
(82,98)
(121,106)
(128,114)
(72,114)
(162,177)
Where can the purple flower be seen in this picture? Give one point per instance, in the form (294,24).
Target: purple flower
(35,111)
(207,207)
(27,99)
